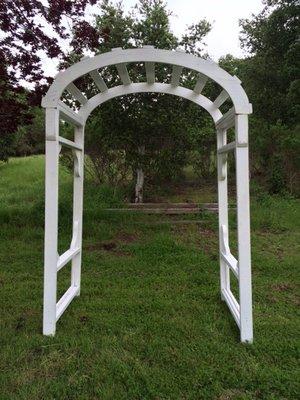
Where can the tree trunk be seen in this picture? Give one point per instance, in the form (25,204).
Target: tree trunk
(139,180)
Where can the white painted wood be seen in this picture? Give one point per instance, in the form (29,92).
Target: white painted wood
(78,160)
(232,305)
(176,74)
(226,255)
(76,93)
(227,147)
(122,71)
(77,210)
(69,143)
(65,300)
(227,121)
(243,224)
(66,257)
(150,72)
(68,115)
(144,88)
(223,96)
(223,211)
(51,222)
(201,82)
(206,67)
(232,263)
(241,130)
(98,80)
(52,124)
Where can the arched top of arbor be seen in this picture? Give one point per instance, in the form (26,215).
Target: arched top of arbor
(230,85)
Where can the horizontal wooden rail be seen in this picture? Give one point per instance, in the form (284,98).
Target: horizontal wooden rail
(66,257)
(232,263)
(65,300)
(227,147)
(69,143)
(233,305)
(68,115)
(227,121)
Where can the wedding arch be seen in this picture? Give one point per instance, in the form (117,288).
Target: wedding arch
(237,117)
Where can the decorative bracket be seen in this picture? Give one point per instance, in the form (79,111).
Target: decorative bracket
(222,160)
(77,163)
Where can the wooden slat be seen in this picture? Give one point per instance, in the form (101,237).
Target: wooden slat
(232,263)
(176,74)
(201,82)
(226,148)
(76,93)
(69,143)
(66,257)
(171,205)
(150,72)
(223,96)
(232,305)
(68,115)
(122,71)
(166,211)
(227,120)
(65,300)
(99,82)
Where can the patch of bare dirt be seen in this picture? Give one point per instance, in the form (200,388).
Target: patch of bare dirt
(126,238)
(282,287)
(113,246)
(230,394)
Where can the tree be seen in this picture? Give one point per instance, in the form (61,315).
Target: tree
(271,77)
(13,112)
(152,129)
(273,69)
(28,29)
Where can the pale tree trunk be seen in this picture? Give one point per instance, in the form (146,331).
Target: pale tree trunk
(139,179)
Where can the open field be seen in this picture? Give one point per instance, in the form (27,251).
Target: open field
(149,323)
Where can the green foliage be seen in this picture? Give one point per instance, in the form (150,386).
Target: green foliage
(30,139)
(273,70)
(270,76)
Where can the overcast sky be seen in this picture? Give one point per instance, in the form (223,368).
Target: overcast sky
(224,16)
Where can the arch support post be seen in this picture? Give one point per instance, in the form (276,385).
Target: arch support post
(243,228)
(77,207)
(223,208)
(53,262)
(51,221)
(241,267)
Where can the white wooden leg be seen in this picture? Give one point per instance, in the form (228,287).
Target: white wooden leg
(77,207)
(51,221)
(243,222)
(223,208)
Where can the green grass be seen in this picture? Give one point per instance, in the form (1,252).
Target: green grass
(149,323)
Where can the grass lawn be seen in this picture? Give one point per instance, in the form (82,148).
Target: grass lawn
(149,323)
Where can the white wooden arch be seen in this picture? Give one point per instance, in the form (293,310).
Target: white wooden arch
(236,117)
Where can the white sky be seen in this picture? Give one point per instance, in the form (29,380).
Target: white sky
(224,16)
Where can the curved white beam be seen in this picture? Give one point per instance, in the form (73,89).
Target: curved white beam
(150,55)
(122,90)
